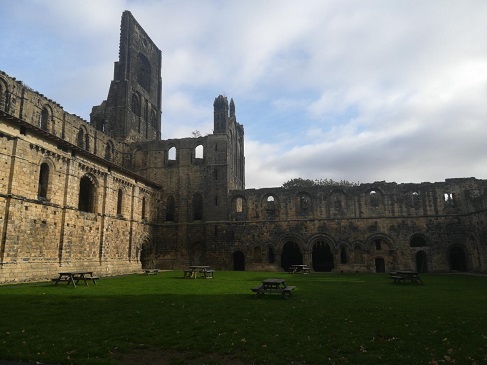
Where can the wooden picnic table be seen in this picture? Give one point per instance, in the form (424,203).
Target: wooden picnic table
(405,275)
(293,269)
(73,277)
(192,271)
(277,286)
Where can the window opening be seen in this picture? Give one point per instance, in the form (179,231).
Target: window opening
(144,72)
(44,118)
(43,181)
(143,208)
(198,151)
(87,191)
(239,205)
(172,154)
(197,206)
(119,202)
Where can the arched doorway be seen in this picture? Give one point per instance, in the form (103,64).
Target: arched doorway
(322,257)
(238,261)
(457,258)
(380,265)
(291,255)
(421,262)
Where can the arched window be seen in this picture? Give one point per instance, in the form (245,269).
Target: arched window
(270,203)
(239,205)
(143,72)
(44,120)
(135,105)
(153,119)
(198,151)
(119,202)
(43,181)
(143,209)
(80,139)
(172,154)
(170,209)
(87,194)
(197,206)
(87,142)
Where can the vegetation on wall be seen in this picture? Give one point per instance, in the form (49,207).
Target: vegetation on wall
(300,182)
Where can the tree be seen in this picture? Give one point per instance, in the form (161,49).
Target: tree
(196,134)
(300,182)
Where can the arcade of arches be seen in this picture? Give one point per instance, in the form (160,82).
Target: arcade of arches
(322,255)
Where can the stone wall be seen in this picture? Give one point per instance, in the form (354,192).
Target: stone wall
(43,231)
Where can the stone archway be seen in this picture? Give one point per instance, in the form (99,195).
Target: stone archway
(380,265)
(457,259)
(238,261)
(322,257)
(291,255)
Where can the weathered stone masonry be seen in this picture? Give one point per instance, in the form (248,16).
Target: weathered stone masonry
(112,197)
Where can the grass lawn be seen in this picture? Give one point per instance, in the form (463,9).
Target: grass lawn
(165,319)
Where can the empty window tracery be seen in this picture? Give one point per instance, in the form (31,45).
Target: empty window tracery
(143,72)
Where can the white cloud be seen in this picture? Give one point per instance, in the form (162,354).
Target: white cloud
(375,90)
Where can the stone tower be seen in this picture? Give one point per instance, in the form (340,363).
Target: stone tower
(132,111)
(231,133)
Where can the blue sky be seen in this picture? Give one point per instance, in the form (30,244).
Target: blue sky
(359,90)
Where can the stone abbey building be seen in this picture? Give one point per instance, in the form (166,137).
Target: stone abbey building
(112,197)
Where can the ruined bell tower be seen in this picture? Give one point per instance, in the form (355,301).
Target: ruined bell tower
(132,111)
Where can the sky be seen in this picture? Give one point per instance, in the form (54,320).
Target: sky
(363,91)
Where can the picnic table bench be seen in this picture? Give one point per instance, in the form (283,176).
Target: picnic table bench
(75,277)
(204,271)
(151,271)
(407,275)
(293,269)
(277,286)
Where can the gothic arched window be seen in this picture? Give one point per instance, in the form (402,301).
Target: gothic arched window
(143,72)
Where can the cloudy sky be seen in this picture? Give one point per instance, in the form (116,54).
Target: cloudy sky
(359,90)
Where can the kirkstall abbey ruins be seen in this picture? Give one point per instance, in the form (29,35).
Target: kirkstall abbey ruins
(111,197)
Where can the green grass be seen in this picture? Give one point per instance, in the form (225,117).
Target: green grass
(331,319)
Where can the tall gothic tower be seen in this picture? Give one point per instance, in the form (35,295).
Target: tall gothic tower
(132,111)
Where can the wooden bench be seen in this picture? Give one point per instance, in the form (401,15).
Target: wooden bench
(208,274)
(258,290)
(151,271)
(396,278)
(187,273)
(288,290)
(306,270)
